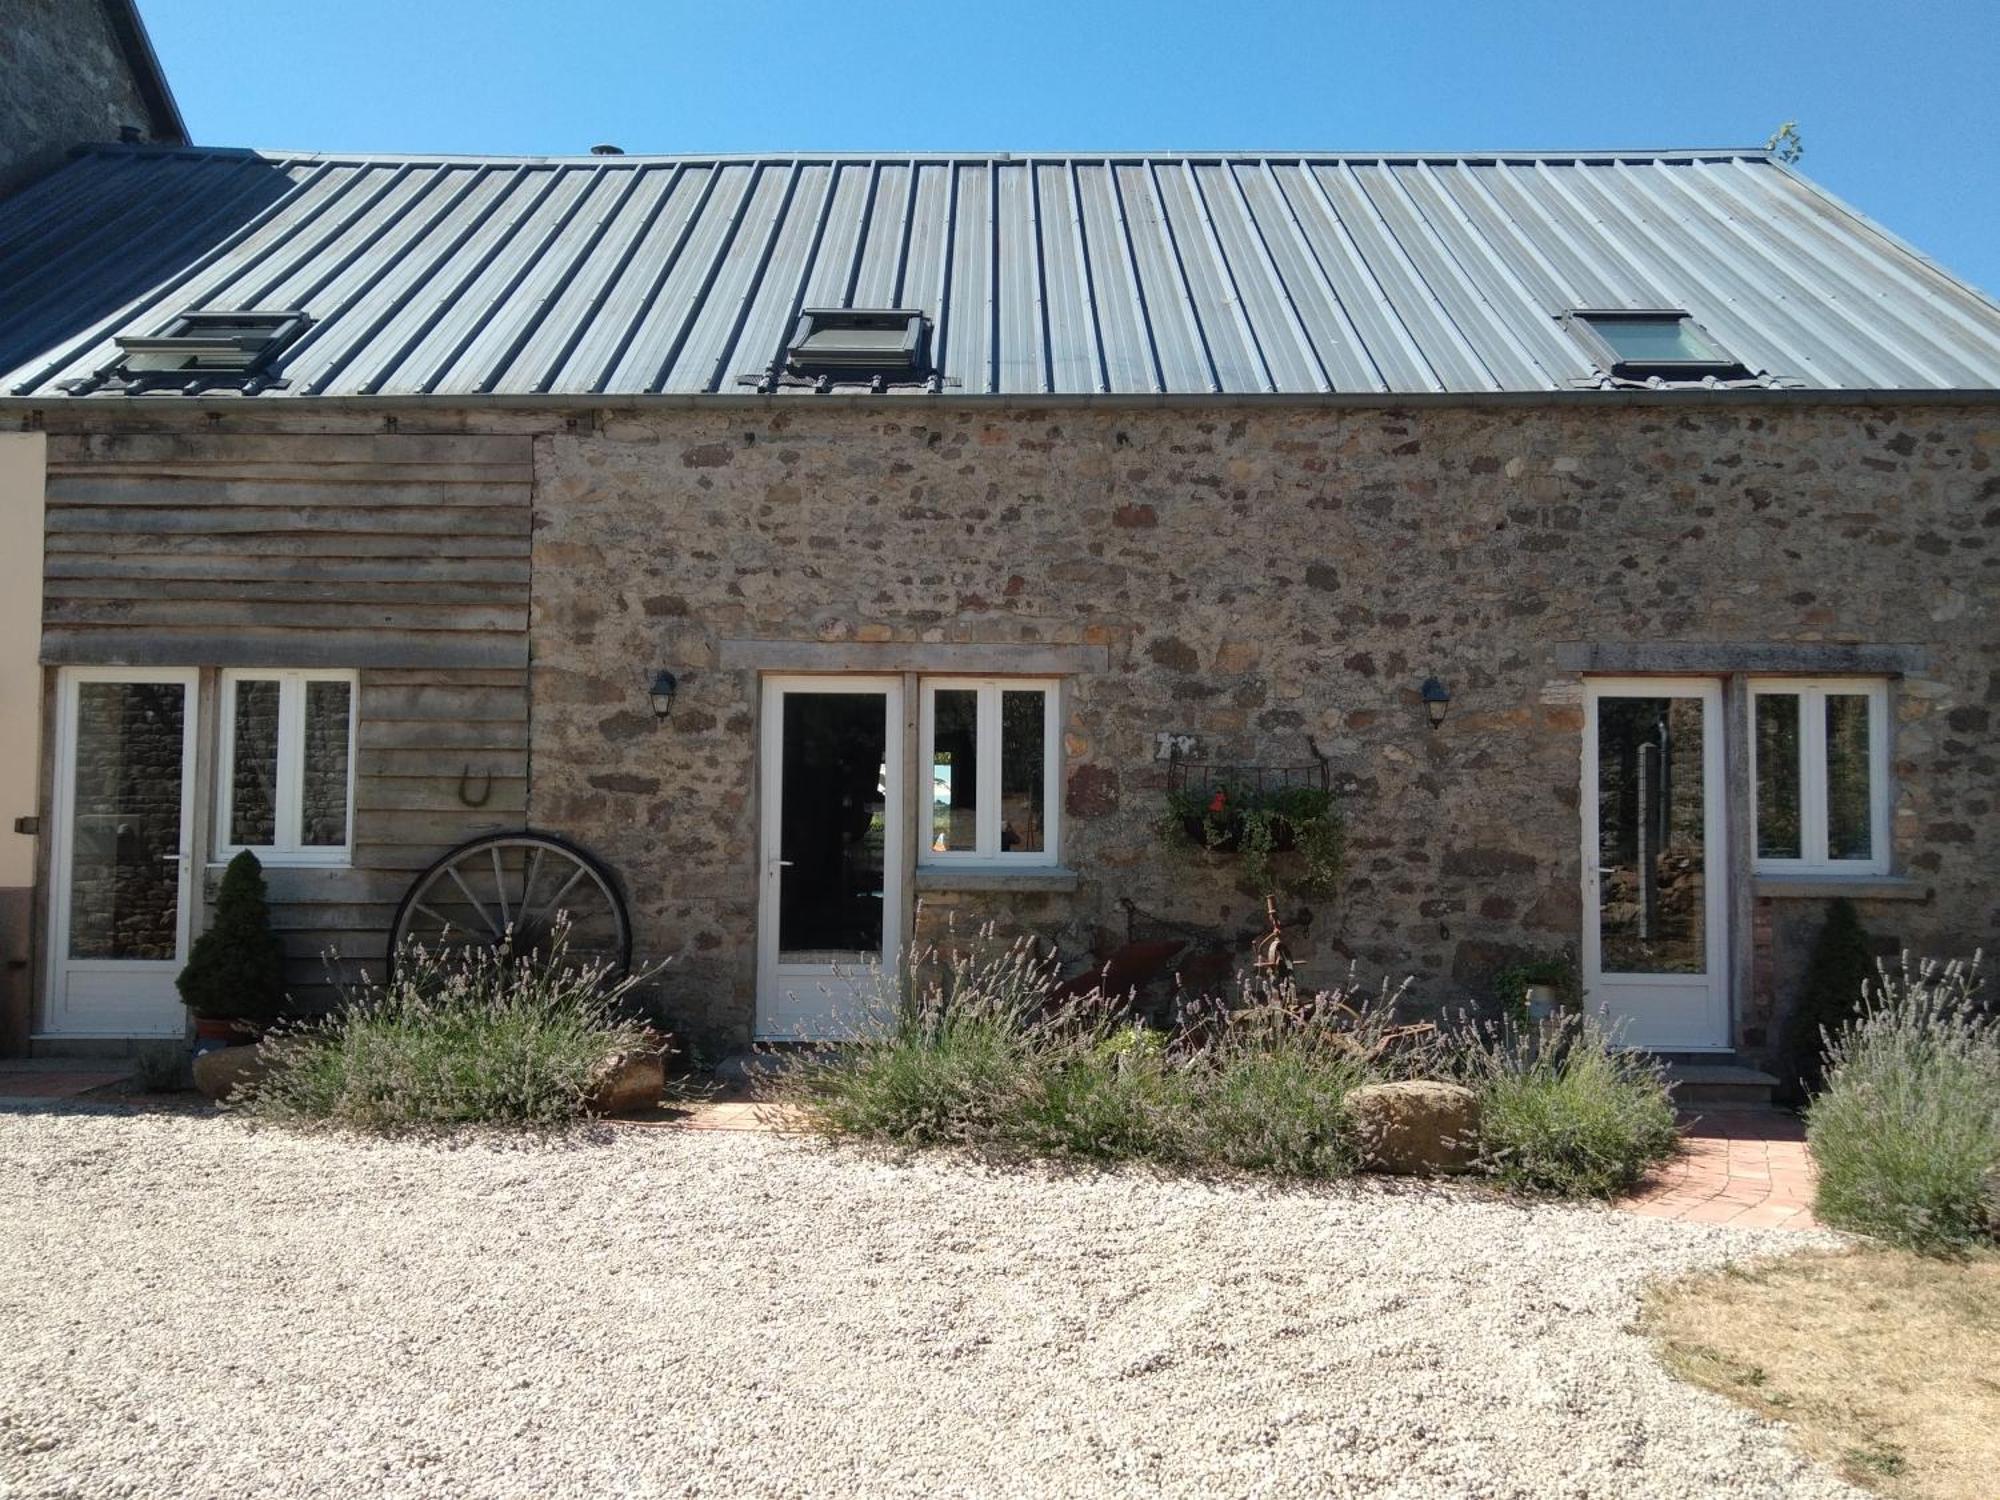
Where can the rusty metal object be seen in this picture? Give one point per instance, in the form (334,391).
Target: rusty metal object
(1274,958)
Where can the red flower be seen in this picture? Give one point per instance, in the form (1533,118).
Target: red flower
(1215,803)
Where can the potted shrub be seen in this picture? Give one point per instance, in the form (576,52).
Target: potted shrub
(1258,823)
(1537,990)
(234,981)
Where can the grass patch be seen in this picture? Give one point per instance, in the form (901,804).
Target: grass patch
(1906,1135)
(1880,1361)
(461,1036)
(1565,1113)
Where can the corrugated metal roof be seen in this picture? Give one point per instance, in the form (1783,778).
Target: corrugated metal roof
(1245,274)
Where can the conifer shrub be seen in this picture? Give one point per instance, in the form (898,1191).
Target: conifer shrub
(1840,969)
(236,969)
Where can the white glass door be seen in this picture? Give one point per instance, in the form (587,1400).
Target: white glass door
(1654,886)
(833,840)
(122,858)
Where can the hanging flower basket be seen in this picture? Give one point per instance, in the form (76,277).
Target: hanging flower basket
(1257,813)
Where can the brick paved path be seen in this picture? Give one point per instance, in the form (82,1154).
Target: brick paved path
(1742,1167)
(38,1080)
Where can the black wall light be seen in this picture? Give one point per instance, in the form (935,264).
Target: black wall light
(1437,700)
(665,685)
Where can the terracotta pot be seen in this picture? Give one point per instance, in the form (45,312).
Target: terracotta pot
(213,1033)
(1542,1003)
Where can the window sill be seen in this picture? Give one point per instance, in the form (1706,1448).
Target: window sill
(1854,887)
(992,878)
(343,861)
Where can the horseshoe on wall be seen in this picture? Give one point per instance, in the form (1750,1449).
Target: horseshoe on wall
(465,787)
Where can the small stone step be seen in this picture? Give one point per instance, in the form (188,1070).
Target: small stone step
(1720,1085)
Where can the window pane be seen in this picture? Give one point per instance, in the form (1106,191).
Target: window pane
(323,793)
(833,831)
(1023,762)
(124,894)
(1652,836)
(955,771)
(1849,824)
(253,780)
(1778,832)
(1653,340)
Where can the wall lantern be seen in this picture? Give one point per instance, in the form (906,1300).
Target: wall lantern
(1437,700)
(665,685)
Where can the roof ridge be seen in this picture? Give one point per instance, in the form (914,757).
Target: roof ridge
(587,158)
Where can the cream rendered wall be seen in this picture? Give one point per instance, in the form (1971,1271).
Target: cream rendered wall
(23,464)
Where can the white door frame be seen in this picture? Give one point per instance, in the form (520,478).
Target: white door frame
(774,979)
(172,1020)
(1715,1035)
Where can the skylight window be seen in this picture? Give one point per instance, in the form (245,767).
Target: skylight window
(860,343)
(211,341)
(1643,345)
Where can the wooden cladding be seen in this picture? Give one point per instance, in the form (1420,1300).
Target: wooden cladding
(305,550)
(404,557)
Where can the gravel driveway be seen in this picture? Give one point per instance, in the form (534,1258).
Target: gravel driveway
(190,1309)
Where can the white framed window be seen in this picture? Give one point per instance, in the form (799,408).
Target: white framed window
(990,753)
(1819,775)
(285,766)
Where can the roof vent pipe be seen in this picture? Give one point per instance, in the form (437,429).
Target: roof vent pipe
(605,148)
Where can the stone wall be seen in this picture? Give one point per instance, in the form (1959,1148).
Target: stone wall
(1262,579)
(64,80)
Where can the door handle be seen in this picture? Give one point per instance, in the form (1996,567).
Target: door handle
(172,859)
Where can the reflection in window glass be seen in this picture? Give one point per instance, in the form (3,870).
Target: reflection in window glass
(1652,836)
(1779,833)
(1849,827)
(253,784)
(124,895)
(955,771)
(1023,764)
(323,790)
(1664,340)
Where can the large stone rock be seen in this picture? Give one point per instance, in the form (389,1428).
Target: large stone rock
(219,1074)
(626,1083)
(1415,1129)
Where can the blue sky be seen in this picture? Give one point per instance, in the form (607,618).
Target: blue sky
(1896,98)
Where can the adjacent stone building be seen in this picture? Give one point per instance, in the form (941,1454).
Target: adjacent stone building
(73,73)
(827,555)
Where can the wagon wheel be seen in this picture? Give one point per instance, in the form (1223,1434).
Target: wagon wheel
(505,890)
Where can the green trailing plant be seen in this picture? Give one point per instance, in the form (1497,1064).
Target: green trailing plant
(461,1035)
(1837,975)
(1906,1133)
(236,969)
(1556,969)
(1259,824)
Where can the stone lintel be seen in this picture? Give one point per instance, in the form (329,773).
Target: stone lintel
(1809,658)
(957,658)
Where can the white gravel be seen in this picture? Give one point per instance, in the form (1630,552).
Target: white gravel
(191,1309)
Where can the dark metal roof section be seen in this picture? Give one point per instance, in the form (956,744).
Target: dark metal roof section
(1236,274)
